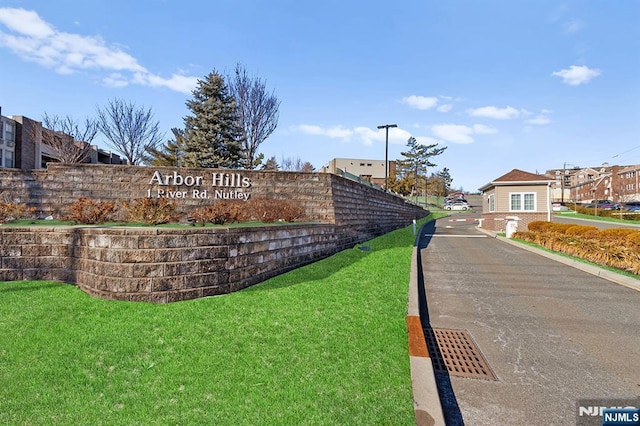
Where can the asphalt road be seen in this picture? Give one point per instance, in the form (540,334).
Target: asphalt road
(552,334)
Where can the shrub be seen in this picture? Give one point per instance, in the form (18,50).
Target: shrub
(269,210)
(583,230)
(88,212)
(10,211)
(152,211)
(539,226)
(559,227)
(614,233)
(221,212)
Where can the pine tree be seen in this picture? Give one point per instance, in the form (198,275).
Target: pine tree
(416,161)
(271,164)
(211,135)
(171,153)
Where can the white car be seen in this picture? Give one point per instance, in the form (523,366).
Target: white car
(458,205)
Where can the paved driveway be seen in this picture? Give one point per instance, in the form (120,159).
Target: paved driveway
(553,335)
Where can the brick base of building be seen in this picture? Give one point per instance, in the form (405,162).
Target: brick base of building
(497,222)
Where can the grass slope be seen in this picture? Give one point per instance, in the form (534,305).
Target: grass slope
(324,344)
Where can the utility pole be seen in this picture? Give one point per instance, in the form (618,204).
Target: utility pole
(386,155)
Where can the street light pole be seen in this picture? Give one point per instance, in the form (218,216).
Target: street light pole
(386,155)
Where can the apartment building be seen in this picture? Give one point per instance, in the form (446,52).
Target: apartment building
(7,142)
(619,184)
(22,145)
(372,171)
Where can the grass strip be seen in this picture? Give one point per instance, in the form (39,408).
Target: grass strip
(323,344)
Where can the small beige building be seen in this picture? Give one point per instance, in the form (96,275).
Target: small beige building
(517,197)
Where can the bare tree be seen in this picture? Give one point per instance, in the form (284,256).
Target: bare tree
(295,165)
(129,129)
(257,112)
(68,140)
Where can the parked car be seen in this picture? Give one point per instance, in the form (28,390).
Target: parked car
(610,206)
(632,206)
(599,204)
(457,205)
(455,200)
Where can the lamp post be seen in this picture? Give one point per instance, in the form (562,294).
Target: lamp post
(386,155)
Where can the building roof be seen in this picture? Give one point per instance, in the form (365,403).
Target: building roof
(518,177)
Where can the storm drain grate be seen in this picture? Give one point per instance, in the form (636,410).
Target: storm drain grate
(455,351)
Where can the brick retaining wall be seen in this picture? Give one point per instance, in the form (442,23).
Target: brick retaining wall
(326,198)
(164,265)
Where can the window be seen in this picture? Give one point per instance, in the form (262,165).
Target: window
(362,164)
(492,202)
(8,132)
(8,159)
(522,201)
(630,187)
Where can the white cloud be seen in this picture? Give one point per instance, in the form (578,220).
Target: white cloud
(309,129)
(420,102)
(445,108)
(364,135)
(35,40)
(577,75)
(496,113)
(484,130)
(453,133)
(540,120)
(25,22)
(335,132)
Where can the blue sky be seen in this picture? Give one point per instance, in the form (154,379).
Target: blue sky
(504,84)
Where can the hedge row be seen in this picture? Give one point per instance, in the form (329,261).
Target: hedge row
(616,247)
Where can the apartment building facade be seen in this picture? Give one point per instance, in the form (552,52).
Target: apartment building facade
(372,171)
(22,145)
(619,184)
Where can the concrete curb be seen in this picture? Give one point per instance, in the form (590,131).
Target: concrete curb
(426,401)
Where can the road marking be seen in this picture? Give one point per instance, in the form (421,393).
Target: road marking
(455,236)
(463,220)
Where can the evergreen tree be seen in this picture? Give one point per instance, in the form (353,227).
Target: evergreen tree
(211,135)
(446,179)
(171,153)
(415,161)
(271,164)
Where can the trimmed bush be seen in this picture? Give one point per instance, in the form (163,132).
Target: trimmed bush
(152,211)
(269,210)
(616,247)
(90,212)
(13,211)
(220,213)
(585,230)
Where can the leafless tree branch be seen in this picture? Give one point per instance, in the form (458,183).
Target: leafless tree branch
(257,111)
(129,129)
(68,140)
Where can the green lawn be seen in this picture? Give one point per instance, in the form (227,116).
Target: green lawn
(324,344)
